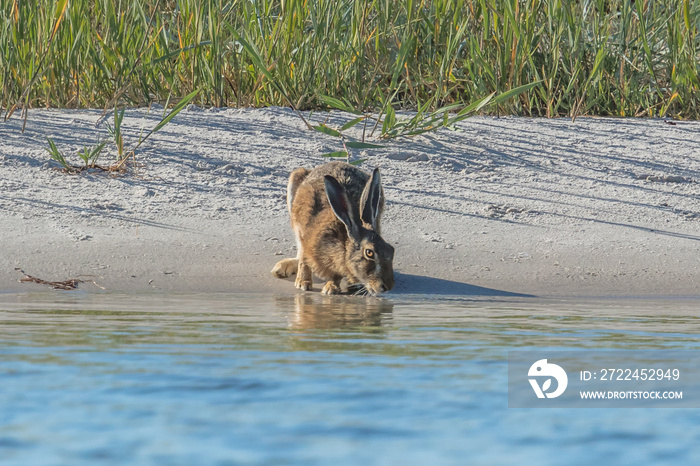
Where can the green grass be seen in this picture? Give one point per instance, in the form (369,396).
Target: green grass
(595,57)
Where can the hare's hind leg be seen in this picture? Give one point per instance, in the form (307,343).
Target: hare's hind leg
(295,179)
(285,268)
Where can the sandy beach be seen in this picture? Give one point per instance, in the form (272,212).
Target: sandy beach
(544,207)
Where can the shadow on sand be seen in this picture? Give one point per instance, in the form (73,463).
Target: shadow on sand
(418,284)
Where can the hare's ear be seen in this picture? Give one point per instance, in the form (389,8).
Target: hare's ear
(371,197)
(340,204)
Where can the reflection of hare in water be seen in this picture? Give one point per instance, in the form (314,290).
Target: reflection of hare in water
(330,312)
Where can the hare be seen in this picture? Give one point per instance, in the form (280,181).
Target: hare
(335,212)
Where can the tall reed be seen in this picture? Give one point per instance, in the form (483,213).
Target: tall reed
(594,57)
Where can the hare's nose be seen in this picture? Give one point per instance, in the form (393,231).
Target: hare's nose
(389,284)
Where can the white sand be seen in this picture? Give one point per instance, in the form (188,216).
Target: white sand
(535,206)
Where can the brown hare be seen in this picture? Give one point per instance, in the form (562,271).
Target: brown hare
(335,212)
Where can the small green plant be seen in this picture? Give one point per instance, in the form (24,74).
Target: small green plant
(116,132)
(57,156)
(444,117)
(338,133)
(90,156)
(421,122)
(124,158)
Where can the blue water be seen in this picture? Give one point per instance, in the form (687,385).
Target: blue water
(305,379)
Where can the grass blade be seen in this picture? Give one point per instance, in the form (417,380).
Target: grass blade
(326,130)
(182,104)
(337,104)
(351,123)
(340,153)
(362,145)
(514,92)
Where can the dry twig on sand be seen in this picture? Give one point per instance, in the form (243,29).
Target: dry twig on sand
(70,284)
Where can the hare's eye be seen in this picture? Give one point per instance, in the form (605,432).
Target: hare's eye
(369,253)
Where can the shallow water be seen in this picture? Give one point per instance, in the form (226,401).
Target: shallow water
(307,379)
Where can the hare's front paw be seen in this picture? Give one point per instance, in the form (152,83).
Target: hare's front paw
(331,288)
(285,268)
(303,281)
(304,285)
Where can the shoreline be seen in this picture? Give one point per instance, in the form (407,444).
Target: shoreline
(550,208)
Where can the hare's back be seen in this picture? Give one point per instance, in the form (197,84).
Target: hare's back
(310,204)
(351,178)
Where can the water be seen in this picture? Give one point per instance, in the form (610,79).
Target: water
(306,379)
